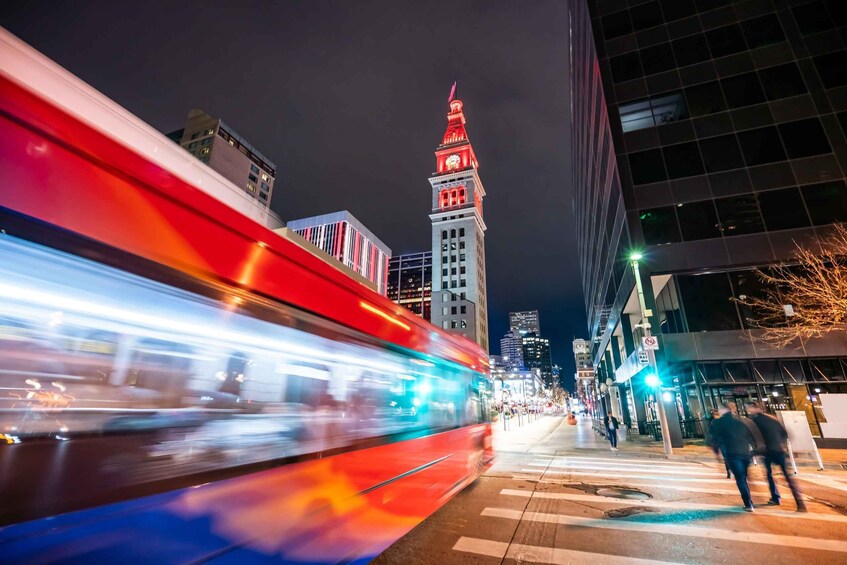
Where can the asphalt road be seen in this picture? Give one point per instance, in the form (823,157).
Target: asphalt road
(542,502)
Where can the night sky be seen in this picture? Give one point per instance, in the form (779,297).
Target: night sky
(349,99)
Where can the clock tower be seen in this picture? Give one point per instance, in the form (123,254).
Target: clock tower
(459,301)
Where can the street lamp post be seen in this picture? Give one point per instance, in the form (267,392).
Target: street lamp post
(651,354)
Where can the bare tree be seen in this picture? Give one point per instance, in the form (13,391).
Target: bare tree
(805,299)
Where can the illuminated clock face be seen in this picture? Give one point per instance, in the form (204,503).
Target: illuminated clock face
(453,162)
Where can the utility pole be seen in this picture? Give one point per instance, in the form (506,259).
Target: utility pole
(651,354)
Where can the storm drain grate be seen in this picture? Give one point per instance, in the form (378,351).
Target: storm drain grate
(625,493)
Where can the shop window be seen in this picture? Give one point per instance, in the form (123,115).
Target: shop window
(826,370)
(761,146)
(742,90)
(704,99)
(657,59)
(616,25)
(739,214)
(783,209)
(725,40)
(659,226)
(711,372)
(831,68)
(657,111)
(792,371)
(804,138)
(782,81)
(625,67)
(826,202)
(812,18)
(646,16)
(738,372)
(698,220)
(647,167)
(690,50)
(676,9)
(707,304)
(721,153)
(762,31)
(767,371)
(683,160)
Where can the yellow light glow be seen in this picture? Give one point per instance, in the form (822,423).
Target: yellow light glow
(382,314)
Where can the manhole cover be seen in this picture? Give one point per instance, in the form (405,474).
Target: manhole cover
(628,494)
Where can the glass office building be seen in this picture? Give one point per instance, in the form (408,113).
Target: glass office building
(410,282)
(727,123)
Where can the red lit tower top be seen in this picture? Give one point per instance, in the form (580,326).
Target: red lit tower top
(455,152)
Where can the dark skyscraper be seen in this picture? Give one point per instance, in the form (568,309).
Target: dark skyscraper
(536,355)
(708,136)
(410,282)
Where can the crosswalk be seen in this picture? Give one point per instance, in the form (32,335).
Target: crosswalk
(551,512)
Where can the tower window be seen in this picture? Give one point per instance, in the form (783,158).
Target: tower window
(444,234)
(452,233)
(461,232)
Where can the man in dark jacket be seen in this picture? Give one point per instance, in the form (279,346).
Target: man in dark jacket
(776,447)
(734,439)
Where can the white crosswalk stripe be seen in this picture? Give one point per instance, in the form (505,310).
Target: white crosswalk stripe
(536,554)
(674,529)
(658,476)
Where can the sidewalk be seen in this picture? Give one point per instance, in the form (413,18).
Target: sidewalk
(584,437)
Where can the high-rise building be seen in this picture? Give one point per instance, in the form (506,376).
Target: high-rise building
(511,350)
(708,136)
(536,355)
(219,146)
(410,282)
(344,237)
(459,302)
(581,353)
(525,322)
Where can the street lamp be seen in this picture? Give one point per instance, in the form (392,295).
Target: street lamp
(653,378)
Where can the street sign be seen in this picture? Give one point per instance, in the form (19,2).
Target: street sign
(643,358)
(649,343)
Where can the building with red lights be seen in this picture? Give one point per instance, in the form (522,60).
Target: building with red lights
(459,301)
(346,239)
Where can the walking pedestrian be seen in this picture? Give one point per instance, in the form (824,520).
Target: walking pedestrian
(775,438)
(612,426)
(713,444)
(734,438)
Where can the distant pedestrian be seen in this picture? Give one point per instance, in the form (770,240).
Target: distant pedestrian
(612,426)
(775,438)
(713,444)
(735,439)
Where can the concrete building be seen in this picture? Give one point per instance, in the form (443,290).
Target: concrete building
(410,282)
(525,322)
(709,136)
(511,350)
(215,143)
(347,240)
(459,300)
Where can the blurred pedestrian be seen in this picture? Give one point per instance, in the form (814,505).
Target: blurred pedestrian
(612,426)
(710,441)
(735,439)
(776,448)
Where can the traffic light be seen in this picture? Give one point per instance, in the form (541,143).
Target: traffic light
(652,380)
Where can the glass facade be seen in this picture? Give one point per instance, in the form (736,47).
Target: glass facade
(410,282)
(727,122)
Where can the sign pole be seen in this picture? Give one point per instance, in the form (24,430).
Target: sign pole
(649,343)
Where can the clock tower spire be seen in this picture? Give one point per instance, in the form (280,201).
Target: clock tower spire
(459,300)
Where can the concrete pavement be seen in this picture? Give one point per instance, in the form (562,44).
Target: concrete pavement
(543,501)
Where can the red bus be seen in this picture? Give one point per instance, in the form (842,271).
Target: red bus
(180,383)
